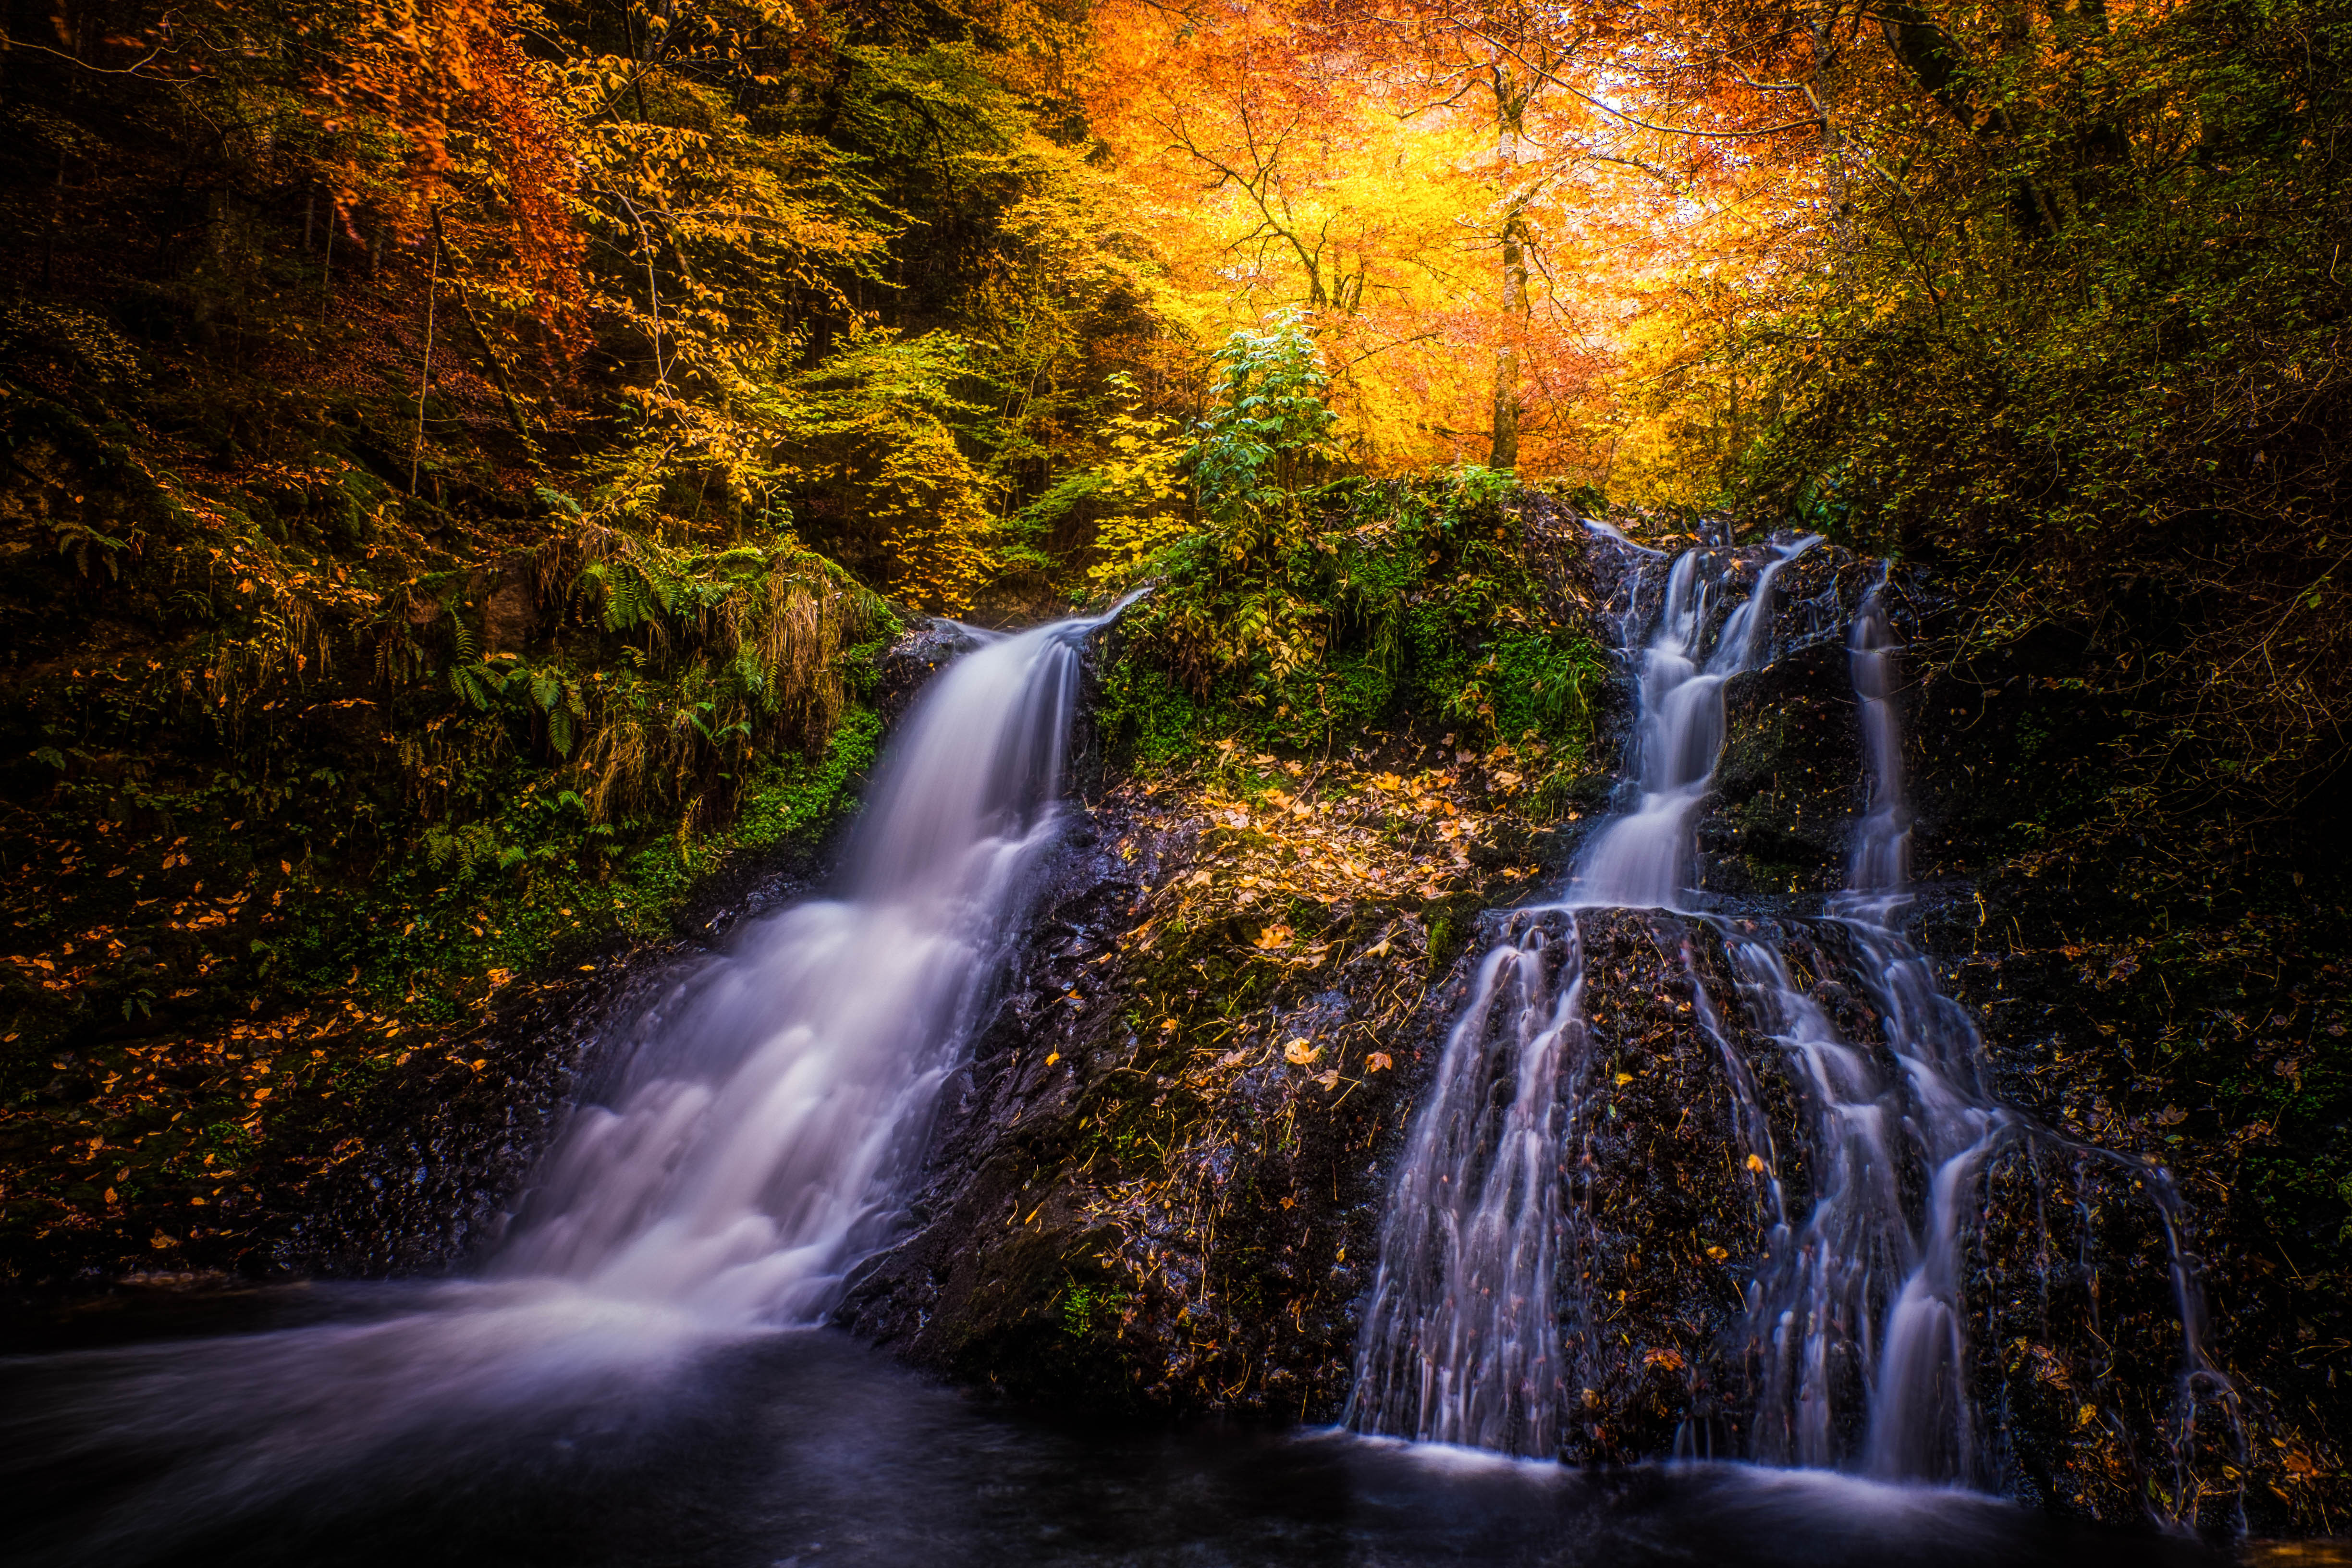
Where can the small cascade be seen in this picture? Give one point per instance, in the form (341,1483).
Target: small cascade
(1860,1310)
(1461,1338)
(1642,859)
(1854,1093)
(1864,1311)
(753,1140)
(771,1105)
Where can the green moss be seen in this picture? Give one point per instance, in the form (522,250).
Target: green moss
(424,935)
(1385,603)
(1086,1310)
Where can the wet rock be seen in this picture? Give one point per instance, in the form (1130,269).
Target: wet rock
(510,616)
(1119,1215)
(1124,1225)
(930,643)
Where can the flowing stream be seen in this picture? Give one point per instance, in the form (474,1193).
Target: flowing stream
(1484,1303)
(772,1106)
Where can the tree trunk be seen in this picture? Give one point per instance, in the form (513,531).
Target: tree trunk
(1505,452)
(1510,110)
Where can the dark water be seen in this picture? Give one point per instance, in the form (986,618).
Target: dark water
(806,1448)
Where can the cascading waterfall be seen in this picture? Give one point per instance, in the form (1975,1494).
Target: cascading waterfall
(1460,1340)
(1861,1311)
(1642,859)
(766,1122)
(1858,1324)
(756,1140)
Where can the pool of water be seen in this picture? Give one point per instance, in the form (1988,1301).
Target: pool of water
(376,1426)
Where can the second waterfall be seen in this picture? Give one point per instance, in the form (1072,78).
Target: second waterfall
(1853,1120)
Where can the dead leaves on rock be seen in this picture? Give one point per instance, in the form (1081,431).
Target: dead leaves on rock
(1343,832)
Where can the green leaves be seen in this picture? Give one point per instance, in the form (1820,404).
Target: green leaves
(1268,425)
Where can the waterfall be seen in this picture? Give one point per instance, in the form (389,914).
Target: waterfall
(1858,1324)
(1461,1338)
(1642,859)
(772,1103)
(1860,1310)
(754,1137)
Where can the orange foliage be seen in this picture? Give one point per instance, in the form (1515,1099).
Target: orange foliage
(489,162)
(1442,188)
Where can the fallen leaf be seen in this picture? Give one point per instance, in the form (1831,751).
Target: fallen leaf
(1377,1062)
(1756,1163)
(1299,1053)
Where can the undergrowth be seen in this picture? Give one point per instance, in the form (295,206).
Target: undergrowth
(1366,605)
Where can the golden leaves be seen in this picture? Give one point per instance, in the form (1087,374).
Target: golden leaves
(1343,833)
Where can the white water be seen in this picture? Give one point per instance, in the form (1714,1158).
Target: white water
(1462,1336)
(1642,859)
(1858,1308)
(758,1141)
(1867,1315)
(1861,1309)
(764,1130)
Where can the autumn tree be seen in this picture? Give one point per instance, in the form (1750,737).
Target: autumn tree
(1502,57)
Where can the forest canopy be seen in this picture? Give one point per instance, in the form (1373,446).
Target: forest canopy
(484,444)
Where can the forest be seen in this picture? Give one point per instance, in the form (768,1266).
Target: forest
(486,482)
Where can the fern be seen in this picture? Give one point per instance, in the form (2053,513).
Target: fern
(475,683)
(462,640)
